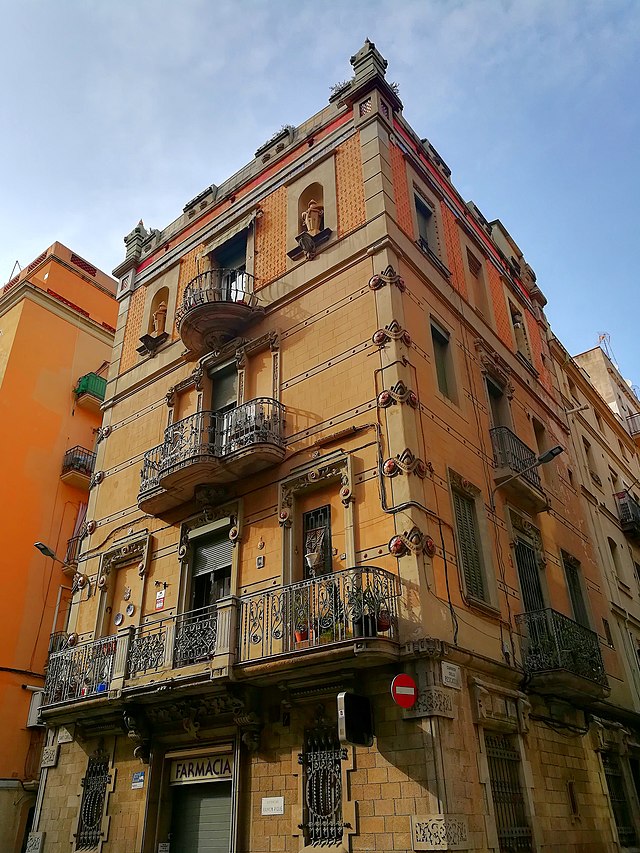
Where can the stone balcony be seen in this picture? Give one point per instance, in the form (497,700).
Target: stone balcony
(512,459)
(216,306)
(561,657)
(213,448)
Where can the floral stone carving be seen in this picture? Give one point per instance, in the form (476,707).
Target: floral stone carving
(439,832)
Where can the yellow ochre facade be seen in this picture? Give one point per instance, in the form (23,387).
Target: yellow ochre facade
(320,467)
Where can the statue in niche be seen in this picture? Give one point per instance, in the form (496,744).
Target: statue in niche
(160,319)
(312,218)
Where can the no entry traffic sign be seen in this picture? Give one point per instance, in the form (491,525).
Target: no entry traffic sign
(404,691)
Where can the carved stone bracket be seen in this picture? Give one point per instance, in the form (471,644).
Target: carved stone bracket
(96,479)
(439,832)
(132,550)
(191,713)
(102,433)
(250,725)
(495,366)
(398,394)
(392,332)
(388,276)
(137,731)
(433,702)
(406,463)
(404,543)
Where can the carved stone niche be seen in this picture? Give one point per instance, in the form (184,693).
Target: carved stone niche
(499,709)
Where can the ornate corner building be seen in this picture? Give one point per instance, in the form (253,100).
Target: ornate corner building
(318,467)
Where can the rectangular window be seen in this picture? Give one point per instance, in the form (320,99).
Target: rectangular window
(443,361)
(424,215)
(211,570)
(316,537)
(471,561)
(478,286)
(607,633)
(512,823)
(574,585)
(618,798)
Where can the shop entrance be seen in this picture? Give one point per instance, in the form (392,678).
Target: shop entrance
(201,818)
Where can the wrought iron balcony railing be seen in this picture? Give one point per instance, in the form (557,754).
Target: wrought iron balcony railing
(92,384)
(359,602)
(78,460)
(215,286)
(75,672)
(210,437)
(552,641)
(73,550)
(628,512)
(512,453)
(174,642)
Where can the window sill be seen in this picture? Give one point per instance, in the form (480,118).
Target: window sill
(483,607)
(525,361)
(435,260)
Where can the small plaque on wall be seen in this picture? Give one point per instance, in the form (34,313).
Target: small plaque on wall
(272,805)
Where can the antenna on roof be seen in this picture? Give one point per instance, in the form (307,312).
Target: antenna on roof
(604,341)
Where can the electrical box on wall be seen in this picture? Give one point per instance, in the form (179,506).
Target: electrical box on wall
(355,719)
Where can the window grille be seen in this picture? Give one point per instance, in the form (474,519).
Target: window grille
(618,798)
(514,832)
(316,532)
(323,822)
(529,575)
(94,791)
(468,539)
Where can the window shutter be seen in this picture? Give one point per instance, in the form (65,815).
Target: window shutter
(211,555)
(575,591)
(470,556)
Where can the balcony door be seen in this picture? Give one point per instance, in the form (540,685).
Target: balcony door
(224,400)
(529,576)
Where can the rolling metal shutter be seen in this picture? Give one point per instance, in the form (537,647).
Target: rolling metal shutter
(201,820)
(212,554)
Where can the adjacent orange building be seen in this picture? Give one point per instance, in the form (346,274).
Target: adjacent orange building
(57,320)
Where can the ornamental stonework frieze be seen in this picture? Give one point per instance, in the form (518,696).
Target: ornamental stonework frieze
(461,484)
(133,550)
(387,276)
(399,393)
(319,474)
(439,832)
(498,709)
(495,366)
(432,702)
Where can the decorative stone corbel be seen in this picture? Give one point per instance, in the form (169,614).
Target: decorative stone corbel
(399,393)
(137,731)
(404,543)
(388,276)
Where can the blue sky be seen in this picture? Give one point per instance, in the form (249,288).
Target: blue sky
(114,111)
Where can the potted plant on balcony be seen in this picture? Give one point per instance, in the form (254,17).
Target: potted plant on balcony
(301,619)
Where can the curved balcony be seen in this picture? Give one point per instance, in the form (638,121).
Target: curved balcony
(211,447)
(216,305)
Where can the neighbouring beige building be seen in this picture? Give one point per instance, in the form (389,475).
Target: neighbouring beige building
(331,393)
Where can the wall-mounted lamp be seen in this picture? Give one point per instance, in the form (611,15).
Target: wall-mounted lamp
(545,457)
(47,552)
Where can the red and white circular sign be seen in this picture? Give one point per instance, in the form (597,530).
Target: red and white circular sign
(404,691)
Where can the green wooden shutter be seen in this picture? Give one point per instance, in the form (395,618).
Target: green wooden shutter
(468,540)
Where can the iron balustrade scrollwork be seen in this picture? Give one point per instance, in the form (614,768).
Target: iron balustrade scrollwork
(355,603)
(150,469)
(552,641)
(207,436)
(148,647)
(510,452)
(196,636)
(217,285)
(79,459)
(189,441)
(79,671)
